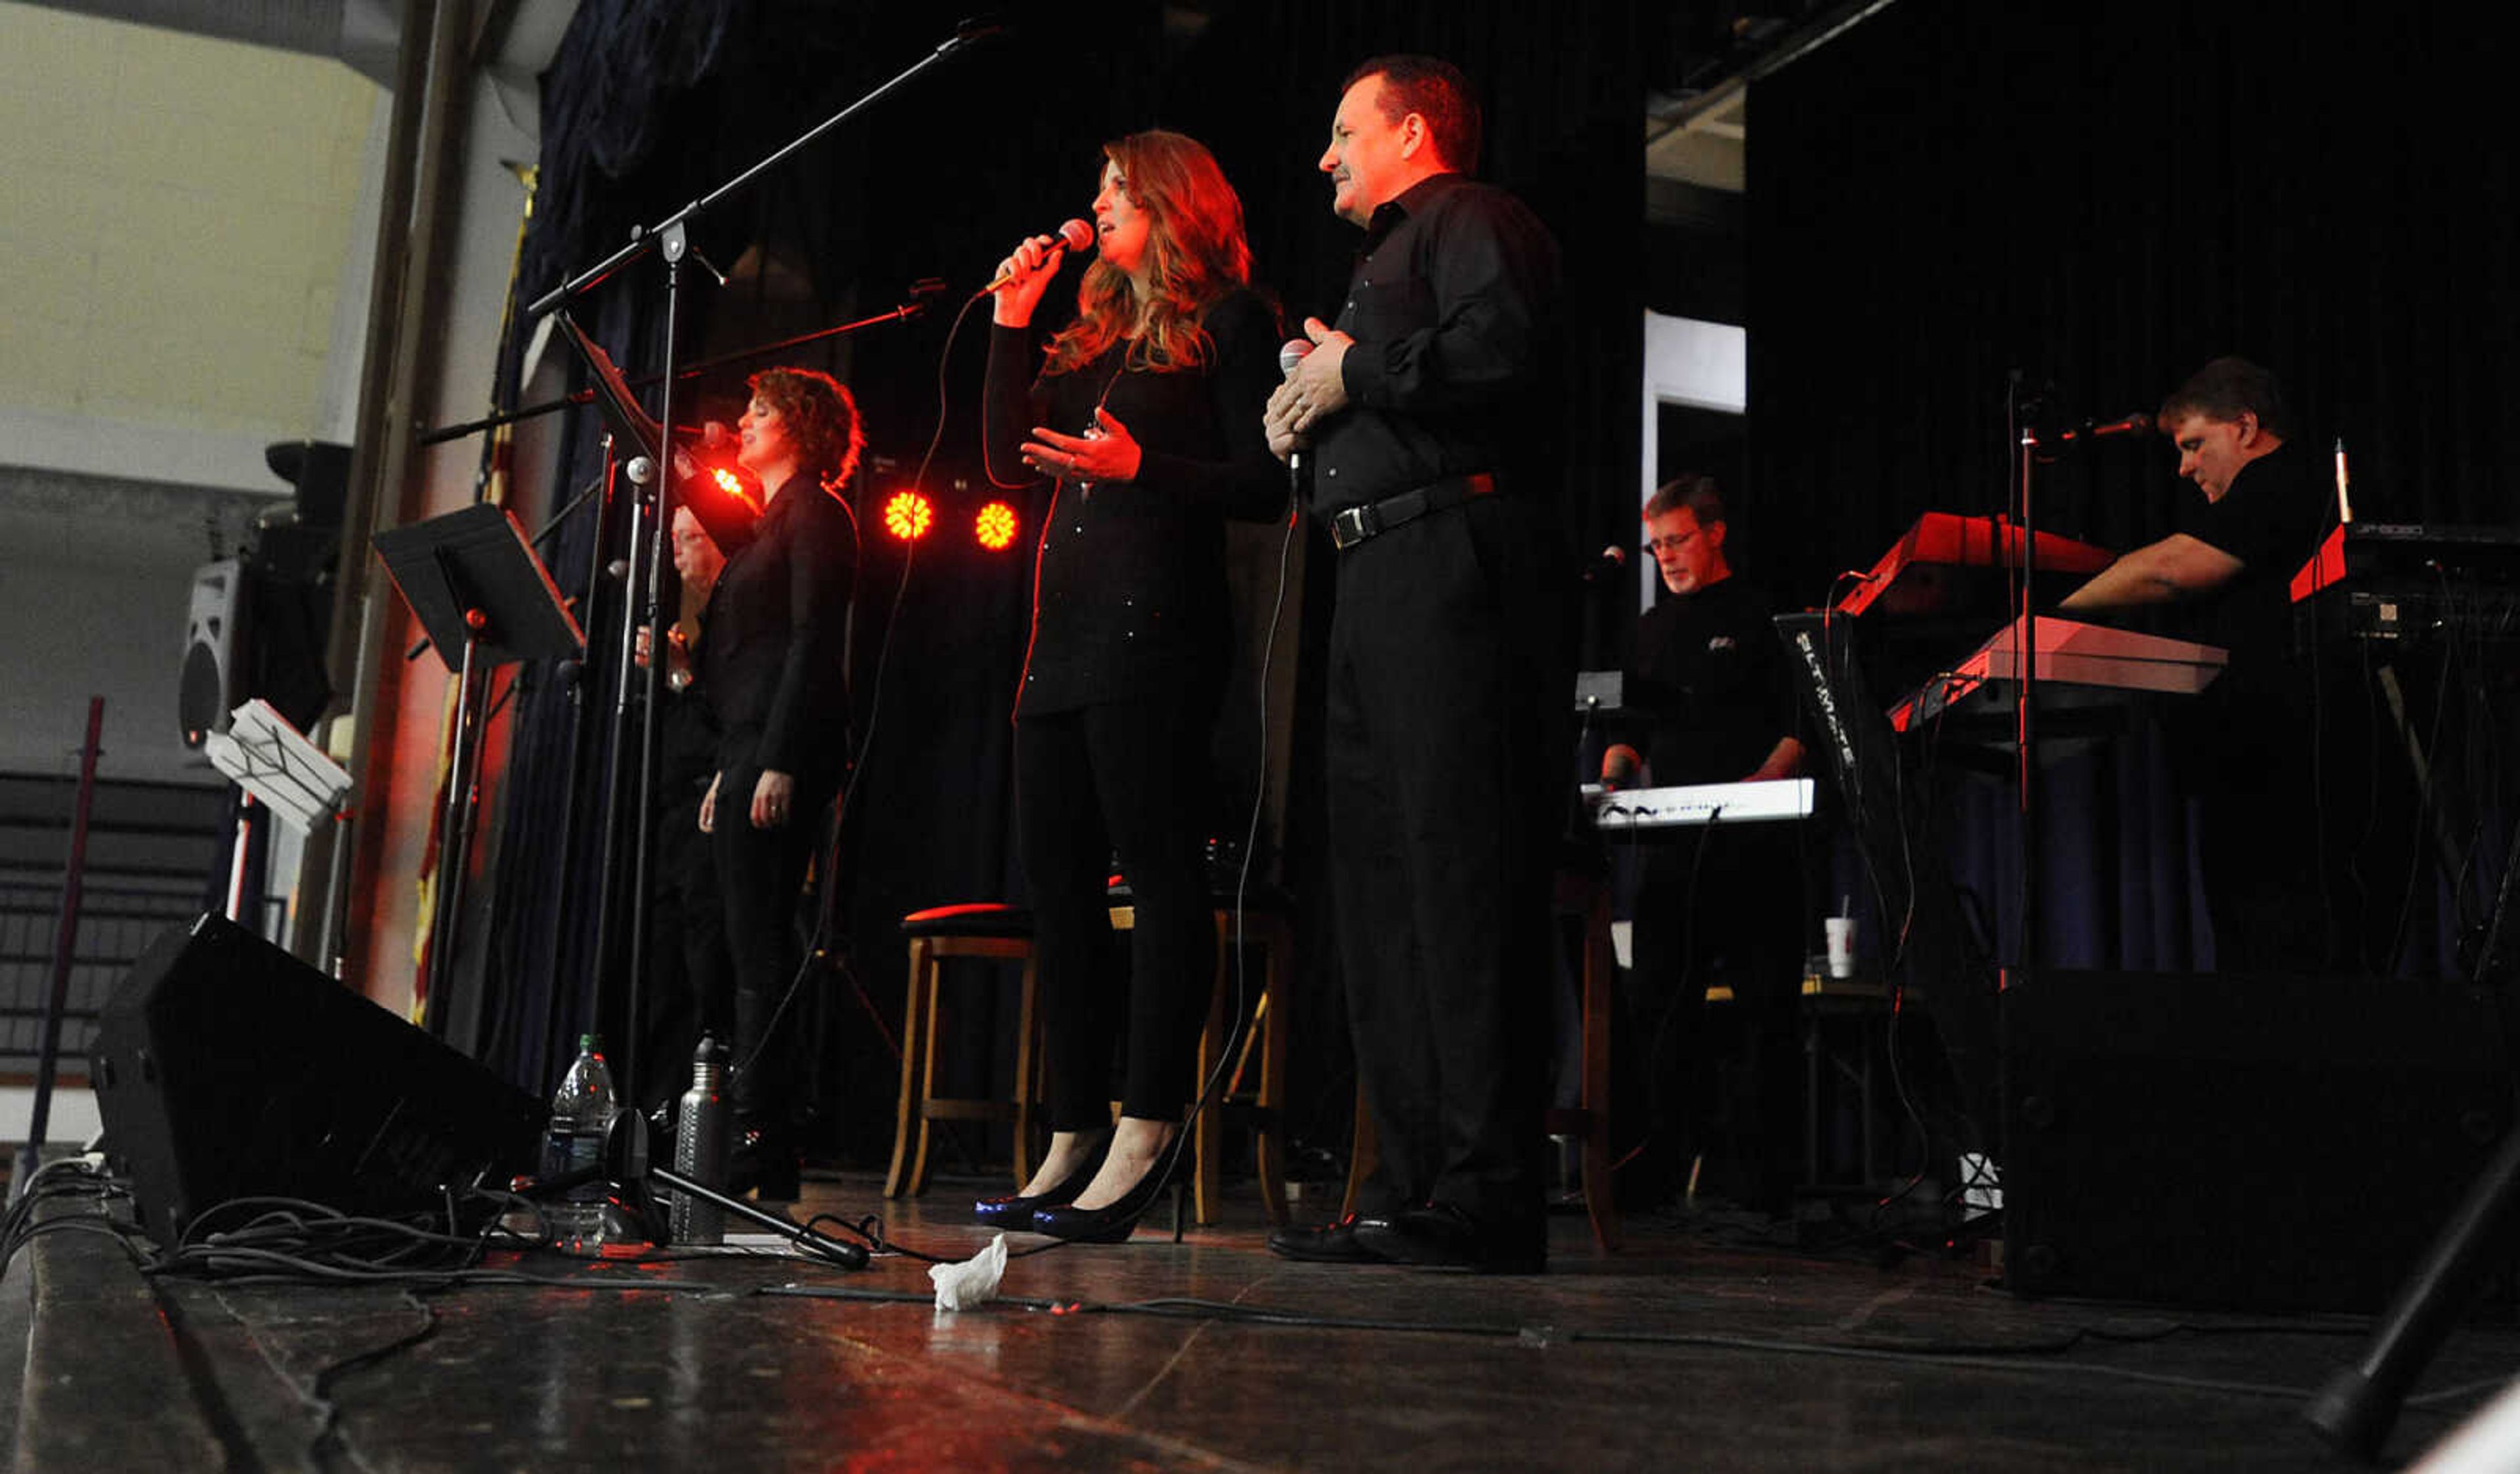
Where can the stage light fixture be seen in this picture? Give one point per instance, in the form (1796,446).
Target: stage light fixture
(995,527)
(907,515)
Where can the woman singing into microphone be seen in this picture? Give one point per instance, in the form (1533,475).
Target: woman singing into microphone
(1147,413)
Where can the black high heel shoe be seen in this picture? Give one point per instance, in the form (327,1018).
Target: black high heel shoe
(1116,1220)
(1015,1211)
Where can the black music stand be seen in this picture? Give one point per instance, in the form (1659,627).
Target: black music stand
(473,581)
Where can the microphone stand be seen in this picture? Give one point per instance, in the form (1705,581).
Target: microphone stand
(916,305)
(654,516)
(846,1255)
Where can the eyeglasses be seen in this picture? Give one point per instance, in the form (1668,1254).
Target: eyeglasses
(1674,541)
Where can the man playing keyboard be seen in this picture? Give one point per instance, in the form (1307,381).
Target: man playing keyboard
(1717,904)
(2279,768)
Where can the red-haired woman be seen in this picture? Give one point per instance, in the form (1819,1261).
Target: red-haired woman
(770,661)
(1146,412)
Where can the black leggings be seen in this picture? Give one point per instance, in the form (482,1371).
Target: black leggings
(1130,778)
(759,876)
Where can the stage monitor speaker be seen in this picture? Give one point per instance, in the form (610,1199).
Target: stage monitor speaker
(224,1067)
(2274,1143)
(214,644)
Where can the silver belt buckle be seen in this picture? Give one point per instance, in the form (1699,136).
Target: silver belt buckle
(1353,526)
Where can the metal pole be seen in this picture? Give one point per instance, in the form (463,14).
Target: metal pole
(65,944)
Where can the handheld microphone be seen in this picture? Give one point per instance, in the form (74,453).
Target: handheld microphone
(1290,353)
(1075,234)
(1602,565)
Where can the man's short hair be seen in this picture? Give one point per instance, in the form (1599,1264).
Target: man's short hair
(1691,491)
(2225,389)
(1435,90)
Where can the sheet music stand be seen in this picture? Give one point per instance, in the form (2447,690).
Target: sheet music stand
(473,581)
(274,764)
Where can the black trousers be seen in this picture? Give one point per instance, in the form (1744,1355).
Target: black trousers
(759,876)
(1128,780)
(690,984)
(1449,714)
(2306,829)
(1718,906)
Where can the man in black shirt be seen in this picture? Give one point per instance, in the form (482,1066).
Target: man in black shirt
(2279,882)
(1448,716)
(1715,904)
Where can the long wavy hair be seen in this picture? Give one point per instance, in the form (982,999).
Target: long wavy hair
(820,418)
(1195,256)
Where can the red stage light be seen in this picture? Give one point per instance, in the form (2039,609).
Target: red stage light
(907,515)
(996,527)
(732,485)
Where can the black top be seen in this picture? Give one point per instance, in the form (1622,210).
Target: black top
(1709,672)
(772,640)
(1129,593)
(1450,307)
(2277,510)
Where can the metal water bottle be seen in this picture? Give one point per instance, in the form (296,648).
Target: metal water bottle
(703,1136)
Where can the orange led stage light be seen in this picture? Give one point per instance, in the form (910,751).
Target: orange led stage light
(995,527)
(907,515)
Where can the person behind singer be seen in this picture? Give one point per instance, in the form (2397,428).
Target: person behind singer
(1146,413)
(1719,902)
(2278,869)
(693,990)
(1449,718)
(770,660)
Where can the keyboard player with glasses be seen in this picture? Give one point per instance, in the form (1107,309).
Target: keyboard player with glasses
(1707,690)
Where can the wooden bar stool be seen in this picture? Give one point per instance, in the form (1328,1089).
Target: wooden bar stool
(1266,929)
(1587,897)
(987,930)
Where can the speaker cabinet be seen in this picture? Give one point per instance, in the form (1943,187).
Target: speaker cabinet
(2248,1142)
(224,1067)
(214,643)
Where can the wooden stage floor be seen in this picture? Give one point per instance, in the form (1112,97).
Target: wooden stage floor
(1704,1345)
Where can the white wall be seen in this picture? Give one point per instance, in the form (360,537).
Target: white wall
(1702,365)
(180,214)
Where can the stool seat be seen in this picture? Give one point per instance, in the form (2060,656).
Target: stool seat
(974,919)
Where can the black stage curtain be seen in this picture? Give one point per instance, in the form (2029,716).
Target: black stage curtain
(649,106)
(2096,199)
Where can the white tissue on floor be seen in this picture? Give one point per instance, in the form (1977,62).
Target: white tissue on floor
(961,1286)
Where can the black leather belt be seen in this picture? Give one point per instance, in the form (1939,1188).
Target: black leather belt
(1351,525)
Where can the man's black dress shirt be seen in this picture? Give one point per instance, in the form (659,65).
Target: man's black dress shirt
(1449,306)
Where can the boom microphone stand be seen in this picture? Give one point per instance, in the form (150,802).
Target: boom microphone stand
(654,517)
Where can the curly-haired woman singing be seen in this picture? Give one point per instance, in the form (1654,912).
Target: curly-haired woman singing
(771,663)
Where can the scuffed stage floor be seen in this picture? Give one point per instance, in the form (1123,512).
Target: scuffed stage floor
(1696,1348)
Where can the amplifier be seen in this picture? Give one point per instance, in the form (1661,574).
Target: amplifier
(224,1067)
(2274,1143)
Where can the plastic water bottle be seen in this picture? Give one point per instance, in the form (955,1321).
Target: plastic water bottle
(581,1116)
(704,1136)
